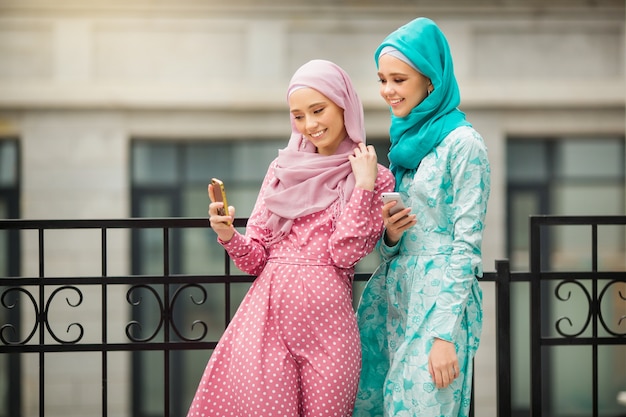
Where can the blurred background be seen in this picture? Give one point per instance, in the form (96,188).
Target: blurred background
(127,108)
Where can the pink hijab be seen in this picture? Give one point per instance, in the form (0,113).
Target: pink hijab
(306,182)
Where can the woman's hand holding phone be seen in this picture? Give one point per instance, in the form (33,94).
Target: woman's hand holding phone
(396,217)
(220,214)
(393,196)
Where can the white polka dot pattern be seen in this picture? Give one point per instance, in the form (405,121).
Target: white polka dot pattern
(293,348)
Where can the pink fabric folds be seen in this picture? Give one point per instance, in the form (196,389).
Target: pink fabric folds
(306,182)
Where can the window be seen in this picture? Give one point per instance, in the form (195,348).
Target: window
(169,179)
(564,176)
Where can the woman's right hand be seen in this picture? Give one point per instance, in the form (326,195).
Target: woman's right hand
(364,164)
(396,224)
(222,225)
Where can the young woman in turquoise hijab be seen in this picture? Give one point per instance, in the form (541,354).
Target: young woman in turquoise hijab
(420,315)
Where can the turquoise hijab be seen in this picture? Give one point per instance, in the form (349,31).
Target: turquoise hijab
(416,134)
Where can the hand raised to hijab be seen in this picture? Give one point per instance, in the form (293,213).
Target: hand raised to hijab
(364,164)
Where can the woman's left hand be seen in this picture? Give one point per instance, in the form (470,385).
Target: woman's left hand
(364,166)
(222,225)
(443,363)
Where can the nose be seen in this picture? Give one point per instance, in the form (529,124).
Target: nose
(311,122)
(387,89)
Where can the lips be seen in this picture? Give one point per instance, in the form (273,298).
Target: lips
(317,134)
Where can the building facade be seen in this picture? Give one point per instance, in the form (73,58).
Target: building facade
(126,108)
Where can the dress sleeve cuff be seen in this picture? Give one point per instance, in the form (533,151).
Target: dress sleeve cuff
(362,198)
(388,251)
(234,246)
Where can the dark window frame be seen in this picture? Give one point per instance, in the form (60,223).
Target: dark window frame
(11,196)
(542,189)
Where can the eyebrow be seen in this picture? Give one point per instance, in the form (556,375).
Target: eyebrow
(394,74)
(318,103)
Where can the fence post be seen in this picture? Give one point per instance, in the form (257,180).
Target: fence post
(503,338)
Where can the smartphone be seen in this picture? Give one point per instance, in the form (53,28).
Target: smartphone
(393,196)
(219,192)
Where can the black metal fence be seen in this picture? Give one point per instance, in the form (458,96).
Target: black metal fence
(40,337)
(593,284)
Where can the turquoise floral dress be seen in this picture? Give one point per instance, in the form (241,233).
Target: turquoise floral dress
(427,286)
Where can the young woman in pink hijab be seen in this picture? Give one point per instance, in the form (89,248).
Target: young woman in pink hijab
(292,348)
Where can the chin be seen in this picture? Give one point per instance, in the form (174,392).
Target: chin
(399,113)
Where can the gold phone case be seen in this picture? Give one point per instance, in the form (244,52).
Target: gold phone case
(220,195)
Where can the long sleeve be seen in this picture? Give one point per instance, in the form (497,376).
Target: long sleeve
(360,225)
(249,252)
(468,195)
(356,230)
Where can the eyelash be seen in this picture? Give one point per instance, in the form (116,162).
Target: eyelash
(314,112)
(397,81)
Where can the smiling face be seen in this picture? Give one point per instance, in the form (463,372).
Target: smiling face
(401,86)
(318,119)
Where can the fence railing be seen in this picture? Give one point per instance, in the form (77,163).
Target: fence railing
(593,284)
(38,294)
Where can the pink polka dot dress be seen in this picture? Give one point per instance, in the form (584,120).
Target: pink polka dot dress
(293,348)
